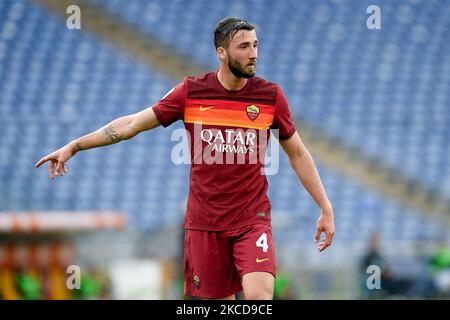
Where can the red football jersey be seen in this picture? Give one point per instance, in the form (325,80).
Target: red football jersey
(228,133)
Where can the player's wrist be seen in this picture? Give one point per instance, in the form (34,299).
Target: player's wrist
(74,147)
(327,208)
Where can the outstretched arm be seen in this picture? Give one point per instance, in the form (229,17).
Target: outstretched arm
(122,128)
(305,168)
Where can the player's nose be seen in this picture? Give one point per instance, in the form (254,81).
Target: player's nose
(253,55)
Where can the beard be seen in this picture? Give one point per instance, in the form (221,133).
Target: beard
(238,69)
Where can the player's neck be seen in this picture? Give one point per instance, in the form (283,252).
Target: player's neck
(229,81)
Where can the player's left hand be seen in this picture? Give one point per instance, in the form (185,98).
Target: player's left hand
(325,224)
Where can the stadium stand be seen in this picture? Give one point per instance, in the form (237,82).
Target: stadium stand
(57,84)
(372,89)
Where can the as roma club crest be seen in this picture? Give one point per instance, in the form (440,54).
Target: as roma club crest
(252,112)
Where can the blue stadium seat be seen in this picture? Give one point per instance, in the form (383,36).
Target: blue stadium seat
(58,84)
(388,86)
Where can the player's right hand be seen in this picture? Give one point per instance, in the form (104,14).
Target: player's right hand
(58,159)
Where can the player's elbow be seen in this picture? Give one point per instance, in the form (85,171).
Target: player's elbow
(128,132)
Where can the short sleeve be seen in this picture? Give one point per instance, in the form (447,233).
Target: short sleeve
(171,107)
(283,119)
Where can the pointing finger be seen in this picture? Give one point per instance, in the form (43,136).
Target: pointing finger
(38,164)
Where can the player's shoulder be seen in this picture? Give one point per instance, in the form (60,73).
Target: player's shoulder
(261,88)
(200,79)
(210,77)
(263,83)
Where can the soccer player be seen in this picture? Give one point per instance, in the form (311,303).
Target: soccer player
(228,115)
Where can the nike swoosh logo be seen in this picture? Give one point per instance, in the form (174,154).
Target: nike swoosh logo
(202,108)
(261,260)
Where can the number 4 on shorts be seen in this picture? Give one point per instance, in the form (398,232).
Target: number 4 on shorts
(262,242)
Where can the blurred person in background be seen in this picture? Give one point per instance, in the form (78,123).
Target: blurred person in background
(26,278)
(390,284)
(8,287)
(439,268)
(284,289)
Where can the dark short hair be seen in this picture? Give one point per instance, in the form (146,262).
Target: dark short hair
(227,28)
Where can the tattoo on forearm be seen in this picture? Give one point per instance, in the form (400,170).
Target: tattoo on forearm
(78,147)
(111,134)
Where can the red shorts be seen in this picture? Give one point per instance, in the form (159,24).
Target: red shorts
(215,262)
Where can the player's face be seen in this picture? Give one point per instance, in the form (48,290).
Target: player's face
(242,53)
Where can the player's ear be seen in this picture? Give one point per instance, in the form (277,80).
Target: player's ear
(222,53)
